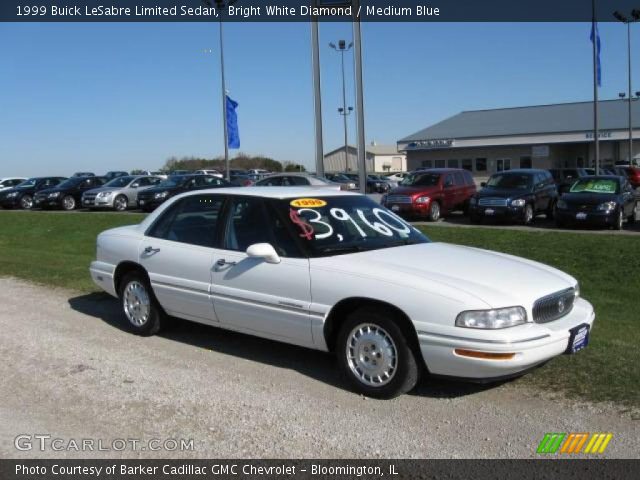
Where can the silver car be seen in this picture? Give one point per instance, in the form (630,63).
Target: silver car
(120,193)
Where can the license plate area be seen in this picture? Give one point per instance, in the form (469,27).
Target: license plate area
(395,208)
(581,216)
(489,211)
(578,338)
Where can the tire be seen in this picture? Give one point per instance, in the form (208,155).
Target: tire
(369,336)
(68,203)
(144,314)
(619,220)
(551,210)
(434,212)
(26,202)
(527,214)
(120,203)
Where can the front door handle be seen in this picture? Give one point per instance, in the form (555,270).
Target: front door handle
(150,249)
(222,262)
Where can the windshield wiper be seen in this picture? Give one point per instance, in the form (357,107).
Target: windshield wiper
(343,249)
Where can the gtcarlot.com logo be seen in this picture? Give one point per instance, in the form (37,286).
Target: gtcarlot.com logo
(572,443)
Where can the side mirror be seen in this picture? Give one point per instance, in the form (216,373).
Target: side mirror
(264,251)
(483,184)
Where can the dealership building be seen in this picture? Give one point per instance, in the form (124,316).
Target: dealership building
(545,136)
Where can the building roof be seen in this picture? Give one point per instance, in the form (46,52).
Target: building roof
(539,119)
(372,149)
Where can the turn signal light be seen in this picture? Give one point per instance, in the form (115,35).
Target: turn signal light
(485,355)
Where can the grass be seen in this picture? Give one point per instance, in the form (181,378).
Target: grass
(56,249)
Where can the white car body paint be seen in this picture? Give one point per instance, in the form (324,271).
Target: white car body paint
(291,300)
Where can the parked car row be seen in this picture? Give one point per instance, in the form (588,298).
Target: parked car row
(518,196)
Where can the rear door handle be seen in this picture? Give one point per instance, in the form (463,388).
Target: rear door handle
(151,250)
(222,262)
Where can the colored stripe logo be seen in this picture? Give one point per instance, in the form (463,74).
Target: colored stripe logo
(568,443)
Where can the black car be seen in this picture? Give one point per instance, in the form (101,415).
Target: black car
(515,195)
(565,177)
(152,197)
(22,195)
(603,200)
(68,194)
(374,184)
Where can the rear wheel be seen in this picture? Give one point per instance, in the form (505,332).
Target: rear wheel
(26,202)
(140,306)
(120,203)
(68,203)
(375,356)
(434,212)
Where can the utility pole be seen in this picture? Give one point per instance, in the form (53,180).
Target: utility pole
(344,111)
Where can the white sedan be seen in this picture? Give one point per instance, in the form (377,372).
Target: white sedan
(335,271)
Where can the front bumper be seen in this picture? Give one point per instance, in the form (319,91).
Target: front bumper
(150,203)
(594,218)
(97,203)
(409,209)
(532,344)
(507,213)
(45,202)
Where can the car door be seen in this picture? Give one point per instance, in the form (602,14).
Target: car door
(251,295)
(178,254)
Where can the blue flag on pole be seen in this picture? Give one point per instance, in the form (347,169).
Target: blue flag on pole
(596,34)
(232,124)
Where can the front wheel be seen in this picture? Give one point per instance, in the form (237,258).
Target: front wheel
(375,356)
(619,220)
(140,306)
(120,203)
(68,203)
(527,215)
(434,212)
(26,202)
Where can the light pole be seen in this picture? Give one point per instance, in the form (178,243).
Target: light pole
(344,111)
(635,16)
(221,6)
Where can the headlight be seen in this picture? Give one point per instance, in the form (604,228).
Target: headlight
(104,194)
(377,184)
(492,319)
(161,195)
(561,204)
(54,195)
(12,195)
(424,199)
(606,206)
(519,202)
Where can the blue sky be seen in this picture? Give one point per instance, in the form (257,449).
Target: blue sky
(103,96)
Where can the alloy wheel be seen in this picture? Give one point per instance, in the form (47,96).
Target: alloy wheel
(26,202)
(434,211)
(371,355)
(68,203)
(136,303)
(120,203)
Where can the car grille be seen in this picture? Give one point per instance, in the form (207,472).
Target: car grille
(38,197)
(493,202)
(554,306)
(398,199)
(89,196)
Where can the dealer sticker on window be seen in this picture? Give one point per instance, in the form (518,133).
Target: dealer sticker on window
(307,203)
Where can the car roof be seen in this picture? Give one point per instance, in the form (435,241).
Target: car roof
(275,192)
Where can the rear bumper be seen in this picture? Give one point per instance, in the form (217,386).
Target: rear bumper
(531,344)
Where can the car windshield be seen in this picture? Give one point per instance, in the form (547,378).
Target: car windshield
(71,182)
(119,182)
(321,180)
(595,185)
(421,180)
(28,183)
(173,181)
(338,177)
(511,181)
(346,224)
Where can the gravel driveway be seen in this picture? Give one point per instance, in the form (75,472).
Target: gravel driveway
(70,369)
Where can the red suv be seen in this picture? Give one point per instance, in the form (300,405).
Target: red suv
(632,174)
(431,193)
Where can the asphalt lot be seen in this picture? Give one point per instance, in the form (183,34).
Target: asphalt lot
(70,369)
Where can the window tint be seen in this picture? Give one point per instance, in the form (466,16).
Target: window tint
(192,220)
(271,182)
(298,180)
(203,180)
(469,178)
(458,178)
(247,224)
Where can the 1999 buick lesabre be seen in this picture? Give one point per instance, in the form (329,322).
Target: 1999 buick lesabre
(335,271)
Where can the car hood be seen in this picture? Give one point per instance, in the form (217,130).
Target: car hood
(411,191)
(104,189)
(51,190)
(497,279)
(502,192)
(588,198)
(152,190)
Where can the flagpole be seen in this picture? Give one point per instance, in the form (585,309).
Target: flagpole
(596,127)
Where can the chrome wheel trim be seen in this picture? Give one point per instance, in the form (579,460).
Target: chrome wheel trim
(372,355)
(120,203)
(68,203)
(26,202)
(435,211)
(528,214)
(136,303)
